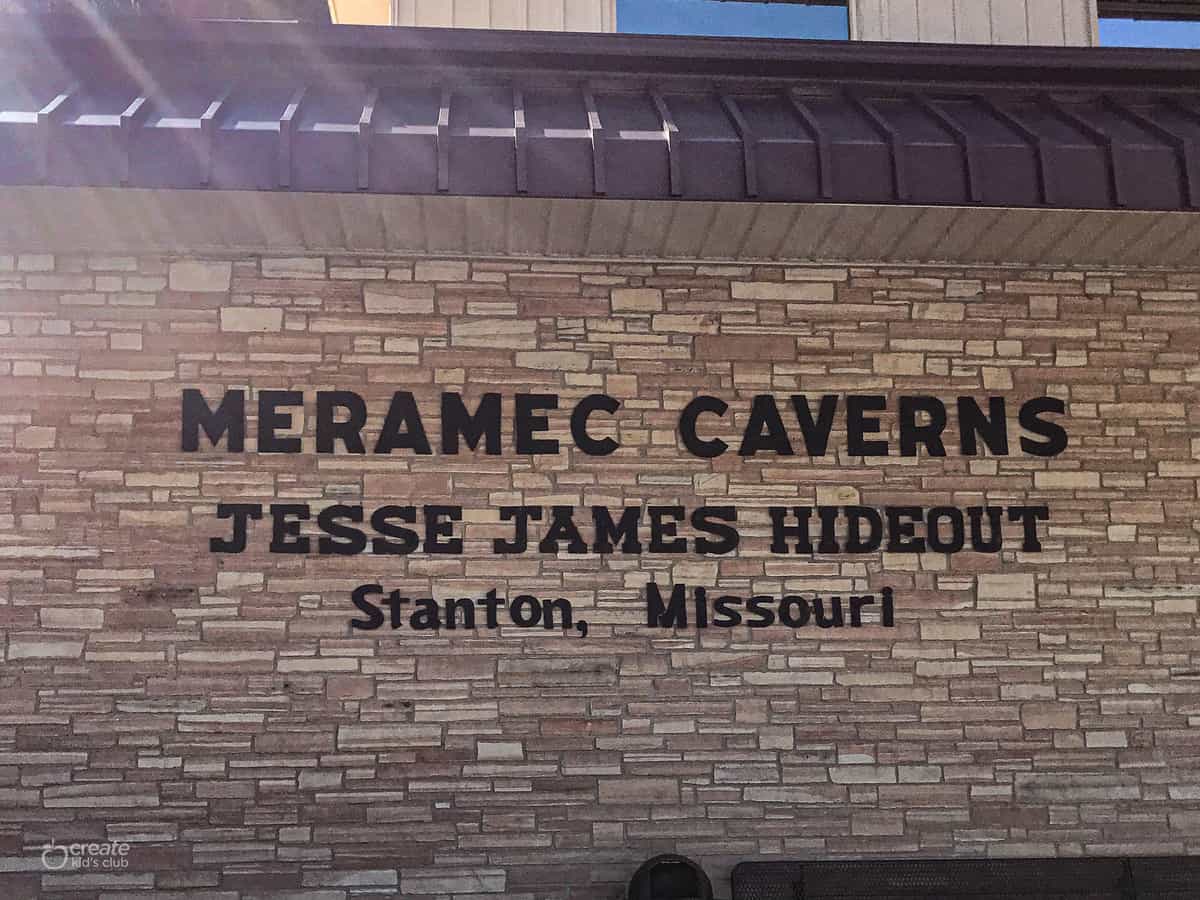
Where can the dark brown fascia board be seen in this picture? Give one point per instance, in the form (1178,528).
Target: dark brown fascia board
(1177,10)
(235,46)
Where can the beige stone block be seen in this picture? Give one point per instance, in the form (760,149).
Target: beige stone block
(512,334)
(639,790)
(398,298)
(251,319)
(900,363)
(200,277)
(554,360)
(1007,586)
(43,648)
(71,617)
(294,267)
(1141,512)
(441,270)
(148,518)
(636,300)
(697,323)
(1066,481)
(36,437)
(949,630)
(813,292)
(1043,716)
(500,751)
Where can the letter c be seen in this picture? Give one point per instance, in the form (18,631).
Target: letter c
(696,445)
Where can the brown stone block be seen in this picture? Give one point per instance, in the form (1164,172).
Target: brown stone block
(746,347)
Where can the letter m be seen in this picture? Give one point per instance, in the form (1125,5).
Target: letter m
(229,418)
(659,615)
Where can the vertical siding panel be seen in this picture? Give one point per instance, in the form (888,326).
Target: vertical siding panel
(435,13)
(1009,25)
(583,15)
(936,21)
(1081,23)
(1046,22)
(472,13)
(513,14)
(867,19)
(902,20)
(405,12)
(973,21)
(547,15)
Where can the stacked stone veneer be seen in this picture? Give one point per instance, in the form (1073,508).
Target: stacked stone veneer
(217,713)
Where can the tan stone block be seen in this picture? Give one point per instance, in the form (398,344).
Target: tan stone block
(512,334)
(1145,512)
(554,360)
(251,319)
(200,277)
(441,270)
(695,323)
(499,751)
(1007,586)
(900,363)
(36,437)
(398,298)
(1043,716)
(294,267)
(1066,481)
(638,790)
(771,290)
(636,300)
(71,617)
(43,648)
(148,518)
(949,630)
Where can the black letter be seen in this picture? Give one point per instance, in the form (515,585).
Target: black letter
(271,419)
(230,417)
(765,414)
(403,411)
(374,613)
(625,531)
(579,418)
(930,435)
(993,428)
(457,421)
(436,528)
(1029,516)
(858,425)
(240,513)
(1055,434)
(711,520)
(899,530)
(660,529)
(351,541)
(527,424)
(285,534)
(381,522)
(659,615)
(520,541)
(816,434)
(347,432)
(687,427)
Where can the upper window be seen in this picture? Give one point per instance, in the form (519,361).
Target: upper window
(1150,23)
(786,19)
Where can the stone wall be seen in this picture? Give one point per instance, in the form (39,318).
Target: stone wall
(217,713)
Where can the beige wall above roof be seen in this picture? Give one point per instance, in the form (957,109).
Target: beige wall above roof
(1070,23)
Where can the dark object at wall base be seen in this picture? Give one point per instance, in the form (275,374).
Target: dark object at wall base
(670,877)
(1163,878)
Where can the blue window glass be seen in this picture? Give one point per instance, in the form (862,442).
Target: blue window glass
(735,18)
(1149,33)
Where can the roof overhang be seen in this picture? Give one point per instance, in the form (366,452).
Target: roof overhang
(125,221)
(258,135)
